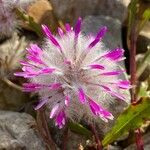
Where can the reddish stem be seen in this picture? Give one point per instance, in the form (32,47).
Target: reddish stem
(139,141)
(65,140)
(44,130)
(97,139)
(133,40)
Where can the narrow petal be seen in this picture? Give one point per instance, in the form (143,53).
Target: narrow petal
(82,96)
(77,27)
(116,94)
(31,87)
(60,32)
(50,36)
(67,27)
(60,119)
(97,66)
(34,59)
(34,49)
(99,36)
(124,84)
(112,73)
(55,86)
(46,70)
(99,110)
(41,103)
(115,55)
(67,100)
(25,63)
(54,111)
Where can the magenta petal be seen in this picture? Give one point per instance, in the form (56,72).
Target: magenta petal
(115,55)
(77,27)
(55,86)
(96,66)
(34,59)
(68,27)
(67,100)
(82,96)
(60,32)
(99,110)
(116,94)
(20,74)
(47,70)
(99,36)
(60,119)
(40,104)
(50,36)
(34,49)
(25,63)
(54,111)
(31,87)
(112,73)
(124,84)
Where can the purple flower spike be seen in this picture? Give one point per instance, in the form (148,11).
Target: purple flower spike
(50,36)
(67,81)
(99,36)
(124,84)
(115,55)
(97,66)
(54,111)
(60,32)
(77,27)
(67,27)
(99,110)
(112,73)
(82,96)
(111,92)
(60,119)
(67,100)
(31,87)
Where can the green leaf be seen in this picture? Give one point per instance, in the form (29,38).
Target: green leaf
(78,128)
(29,21)
(131,119)
(145,18)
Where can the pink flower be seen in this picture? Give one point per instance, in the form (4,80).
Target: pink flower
(73,75)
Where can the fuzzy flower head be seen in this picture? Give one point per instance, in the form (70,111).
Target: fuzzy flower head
(73,76)
(8,18)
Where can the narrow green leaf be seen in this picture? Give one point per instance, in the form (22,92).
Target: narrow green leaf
(145,18)
(130,119)
(29,21)
(78,128)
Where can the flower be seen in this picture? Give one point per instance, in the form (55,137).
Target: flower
(73,76)
(8,18)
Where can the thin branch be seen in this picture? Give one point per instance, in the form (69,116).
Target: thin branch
(11,84)
(139,140)
(64,146)
(97,139)
(44,130)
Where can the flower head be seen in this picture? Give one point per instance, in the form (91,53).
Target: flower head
(73,76)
